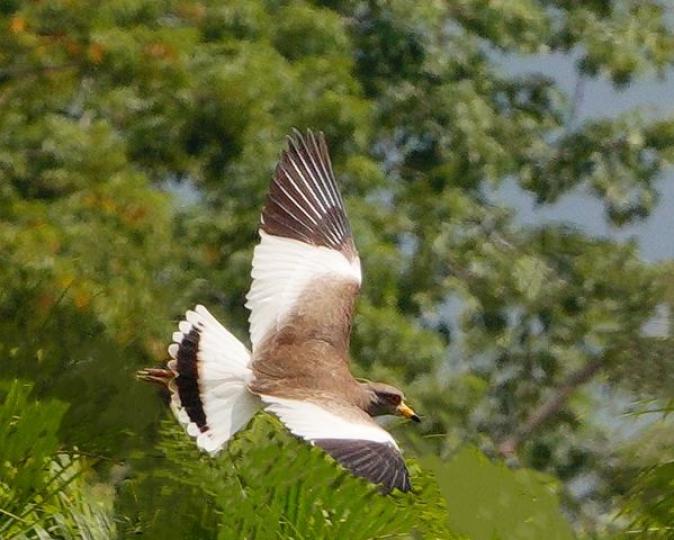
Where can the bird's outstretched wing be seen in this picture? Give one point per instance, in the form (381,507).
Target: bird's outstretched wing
(349,435)
(306,270)
(306,275)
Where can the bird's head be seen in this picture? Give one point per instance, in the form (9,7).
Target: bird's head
(387,399)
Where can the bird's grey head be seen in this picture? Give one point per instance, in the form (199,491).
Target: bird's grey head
(387,399)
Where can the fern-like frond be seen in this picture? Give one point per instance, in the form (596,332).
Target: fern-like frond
(268,484)
(43,493)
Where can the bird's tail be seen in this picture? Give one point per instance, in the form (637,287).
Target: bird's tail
(208,377)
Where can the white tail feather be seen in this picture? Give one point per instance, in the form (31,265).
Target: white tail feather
(210,395)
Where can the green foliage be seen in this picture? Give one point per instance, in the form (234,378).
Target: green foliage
(647,505)
(488,501)
(650,502)
(267,484)
(137,139)
(270,485)
(619,159)
(43,493)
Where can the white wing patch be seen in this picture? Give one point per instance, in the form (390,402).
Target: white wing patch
(313,422)
(282,269)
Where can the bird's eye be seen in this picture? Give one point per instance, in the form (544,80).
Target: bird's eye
(394,399)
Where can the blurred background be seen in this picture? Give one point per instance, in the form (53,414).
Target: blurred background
(506,168)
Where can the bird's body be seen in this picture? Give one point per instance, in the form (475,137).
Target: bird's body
(306,277)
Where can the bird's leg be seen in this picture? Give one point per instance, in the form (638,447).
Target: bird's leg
(156,375)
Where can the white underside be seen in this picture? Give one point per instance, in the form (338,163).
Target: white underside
(313,422)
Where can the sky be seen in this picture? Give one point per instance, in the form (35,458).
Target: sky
(654,235)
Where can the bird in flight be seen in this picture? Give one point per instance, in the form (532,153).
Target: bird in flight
(306,276)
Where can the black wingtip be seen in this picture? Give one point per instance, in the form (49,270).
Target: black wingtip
(302,136)
(304,202)
(298,141)
(380,463)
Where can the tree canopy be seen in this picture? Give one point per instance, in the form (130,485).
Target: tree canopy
(137,140)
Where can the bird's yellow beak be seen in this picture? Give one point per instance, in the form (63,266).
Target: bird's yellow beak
(407,412)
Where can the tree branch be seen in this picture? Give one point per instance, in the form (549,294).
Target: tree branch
(550,407)
(576,101)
